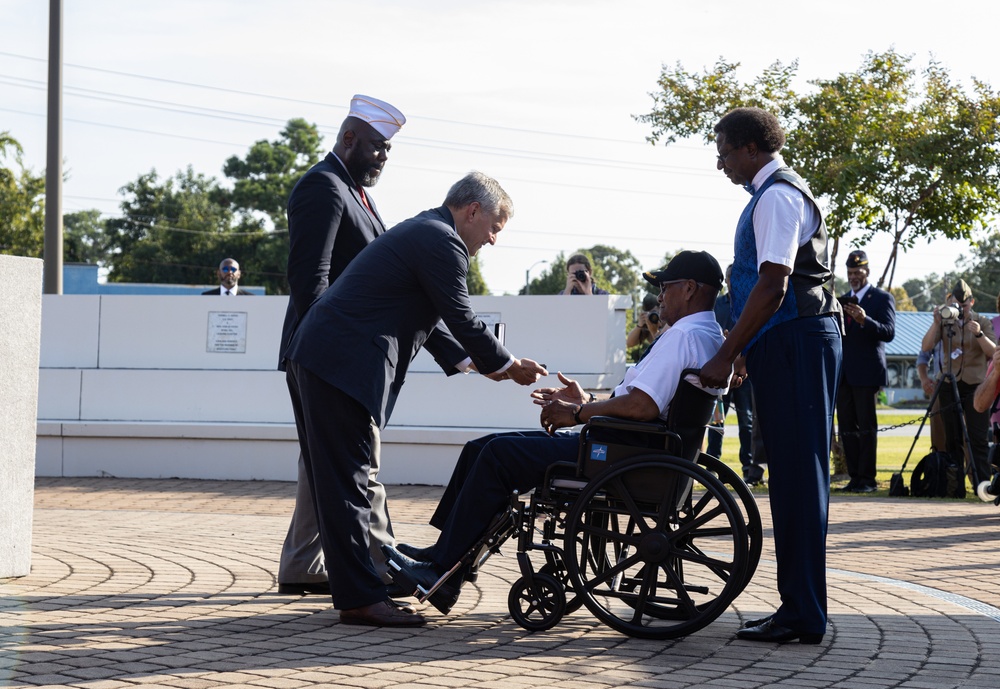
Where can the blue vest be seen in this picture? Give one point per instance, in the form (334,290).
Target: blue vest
(809,292)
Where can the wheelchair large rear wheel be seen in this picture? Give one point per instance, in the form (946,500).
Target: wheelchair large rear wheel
(751,514)
(656,547)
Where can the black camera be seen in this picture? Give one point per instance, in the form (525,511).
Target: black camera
(653,317)
(580,275)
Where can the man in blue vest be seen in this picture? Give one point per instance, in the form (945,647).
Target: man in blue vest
(787,337)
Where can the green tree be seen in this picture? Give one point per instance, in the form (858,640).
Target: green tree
(981,269)
(179,229)
(264,178)
(621,271)
(614,270)
(83,237)
(22,210)
(903,301)
(886,152)
(474,280)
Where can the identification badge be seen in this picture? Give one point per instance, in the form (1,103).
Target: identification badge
(955,353)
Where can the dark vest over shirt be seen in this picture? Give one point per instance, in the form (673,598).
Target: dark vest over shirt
(809,293)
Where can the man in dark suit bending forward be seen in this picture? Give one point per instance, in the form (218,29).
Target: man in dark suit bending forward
(348,359)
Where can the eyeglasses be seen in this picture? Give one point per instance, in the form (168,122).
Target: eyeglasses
(723,158)
(229,269)
(665,285)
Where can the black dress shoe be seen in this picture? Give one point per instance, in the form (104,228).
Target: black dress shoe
(756,623)
(851,487)
(776,634)
(866,489)
(427,555)
(381,614)
(402,605)
(319,588)
(415,553)
(406,571)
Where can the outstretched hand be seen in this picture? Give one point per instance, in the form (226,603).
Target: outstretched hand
(522,372)
(572,393)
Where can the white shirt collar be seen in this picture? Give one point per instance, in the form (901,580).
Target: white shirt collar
(233,292)
(863,292)
(766,172)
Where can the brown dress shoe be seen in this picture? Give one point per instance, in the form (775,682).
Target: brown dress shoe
(381,614)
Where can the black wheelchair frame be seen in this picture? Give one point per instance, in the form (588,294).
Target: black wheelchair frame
(654,537)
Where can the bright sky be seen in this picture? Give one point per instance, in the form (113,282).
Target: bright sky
(536,93)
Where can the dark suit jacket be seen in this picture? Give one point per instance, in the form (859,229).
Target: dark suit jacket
(240,292)
(362,333)
(328,226)
(864,347)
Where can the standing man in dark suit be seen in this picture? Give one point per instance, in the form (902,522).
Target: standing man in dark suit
(330,220)
(348,358)
(870,323)
(787,337)
(229,275)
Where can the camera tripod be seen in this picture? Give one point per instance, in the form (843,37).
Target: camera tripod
(948,377)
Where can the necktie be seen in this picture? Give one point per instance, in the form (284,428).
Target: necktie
(364,198)
(228,293)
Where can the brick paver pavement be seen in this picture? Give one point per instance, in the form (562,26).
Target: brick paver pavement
(172,584)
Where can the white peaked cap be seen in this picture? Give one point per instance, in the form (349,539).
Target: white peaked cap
(383,118)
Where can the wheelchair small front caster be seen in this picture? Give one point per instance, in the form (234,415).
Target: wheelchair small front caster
(538,604)
(989,491)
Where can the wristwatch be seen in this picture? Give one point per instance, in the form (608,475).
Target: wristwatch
(979,334)
(576,414)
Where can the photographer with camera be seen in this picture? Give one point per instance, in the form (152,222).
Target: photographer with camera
(968,344)
(579,277)
(647,323)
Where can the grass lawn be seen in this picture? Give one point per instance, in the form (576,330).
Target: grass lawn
(891,453)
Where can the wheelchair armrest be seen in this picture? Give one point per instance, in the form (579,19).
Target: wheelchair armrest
(655,427)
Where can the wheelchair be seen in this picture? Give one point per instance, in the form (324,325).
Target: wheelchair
(653,537)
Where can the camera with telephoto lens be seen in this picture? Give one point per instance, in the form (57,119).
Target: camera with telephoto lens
(948,313)
(580,275)
(653,317)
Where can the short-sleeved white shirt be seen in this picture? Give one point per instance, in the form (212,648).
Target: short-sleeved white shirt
(688,343)
(783,220)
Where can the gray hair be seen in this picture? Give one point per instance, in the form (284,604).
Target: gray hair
(476,187)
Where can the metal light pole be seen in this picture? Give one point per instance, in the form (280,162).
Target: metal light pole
(527,273)
(53,250)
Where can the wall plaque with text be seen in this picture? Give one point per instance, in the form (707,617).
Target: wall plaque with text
(227,332)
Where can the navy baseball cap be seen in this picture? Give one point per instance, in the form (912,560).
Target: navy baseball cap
(699,266)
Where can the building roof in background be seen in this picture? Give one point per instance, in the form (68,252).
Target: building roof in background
(910,329)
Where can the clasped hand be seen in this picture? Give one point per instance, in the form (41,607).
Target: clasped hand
(558,404)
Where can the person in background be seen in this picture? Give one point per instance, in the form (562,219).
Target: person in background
(647,323)
(579,277)
(741,399)
(968,343)
(870,315)
(229,277)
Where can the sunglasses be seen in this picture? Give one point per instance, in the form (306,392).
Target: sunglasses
(229,269)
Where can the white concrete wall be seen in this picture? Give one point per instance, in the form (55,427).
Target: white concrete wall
(128,387)
(20,328)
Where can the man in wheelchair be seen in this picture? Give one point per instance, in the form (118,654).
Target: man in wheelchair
(489,469)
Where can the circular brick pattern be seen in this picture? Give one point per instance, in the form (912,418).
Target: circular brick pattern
(172,583)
